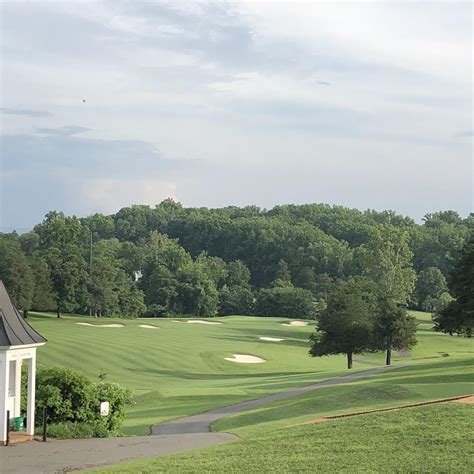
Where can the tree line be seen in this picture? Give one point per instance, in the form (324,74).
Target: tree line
(288,261)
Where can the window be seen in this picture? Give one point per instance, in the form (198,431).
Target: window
(12,379)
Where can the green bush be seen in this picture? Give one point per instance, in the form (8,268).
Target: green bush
(73,402)
(70,430)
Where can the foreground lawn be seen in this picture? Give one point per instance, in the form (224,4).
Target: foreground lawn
(436,438)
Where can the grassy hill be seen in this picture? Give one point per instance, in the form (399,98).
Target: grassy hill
(429,439)
(179,369)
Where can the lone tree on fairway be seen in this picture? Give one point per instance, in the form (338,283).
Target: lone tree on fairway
(458,316)
(345,327)
(394,328)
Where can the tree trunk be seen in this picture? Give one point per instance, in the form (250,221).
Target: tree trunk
(58,312)
(388,358)
(349,360)
(25,314)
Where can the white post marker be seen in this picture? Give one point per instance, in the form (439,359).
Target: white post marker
(104,409)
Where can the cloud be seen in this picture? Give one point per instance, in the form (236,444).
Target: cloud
(80,175)
(236,103)
(464,134)
(26,112)
(108,195)
(65,131)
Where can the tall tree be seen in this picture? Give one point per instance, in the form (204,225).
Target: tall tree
(236,300)
(102,282)
(238,274)
(388,262)
(394,328)
(63,241)
(282,274)
(43,296)
(16,272)
(214,267)
(197,293)
(458,316)
(430,285)
(345,326)
(161,259)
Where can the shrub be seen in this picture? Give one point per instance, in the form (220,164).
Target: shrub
(73,399)
(70,430)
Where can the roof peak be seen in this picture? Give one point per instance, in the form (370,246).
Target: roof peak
(14,330)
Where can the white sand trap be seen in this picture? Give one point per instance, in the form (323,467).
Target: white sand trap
(147,326)
(102,325)
(296,323)
(271,339)
(196,321)
(245,359)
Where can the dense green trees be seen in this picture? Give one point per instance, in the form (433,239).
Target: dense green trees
(16,273)
(168,260)
(286,301)
(62,242)
(457,317)
(430,286)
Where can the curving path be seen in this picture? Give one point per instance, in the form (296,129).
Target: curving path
(183,434)
(201,423)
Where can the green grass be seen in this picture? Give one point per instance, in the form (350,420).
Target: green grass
(429,439)
(417,383)
(179,369)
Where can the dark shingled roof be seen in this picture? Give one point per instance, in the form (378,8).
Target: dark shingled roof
(14,330)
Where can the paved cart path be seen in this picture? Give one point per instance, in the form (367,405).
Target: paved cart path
(183,434)
(201,423)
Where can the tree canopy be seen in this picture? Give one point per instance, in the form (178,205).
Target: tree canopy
(169,259)
(458,316)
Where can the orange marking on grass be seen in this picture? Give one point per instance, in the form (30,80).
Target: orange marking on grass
(461,399)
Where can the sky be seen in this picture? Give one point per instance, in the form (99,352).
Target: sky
(106,104)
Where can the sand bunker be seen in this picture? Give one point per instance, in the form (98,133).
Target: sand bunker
(245,359)
(147,326)
(102,325)
(196,321)
(271,339)
(296,323)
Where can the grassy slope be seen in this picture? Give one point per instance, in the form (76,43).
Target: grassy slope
(429,439)
(180,369)
(439,367)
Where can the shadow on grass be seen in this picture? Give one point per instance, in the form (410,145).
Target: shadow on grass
(188,376)
(251,339)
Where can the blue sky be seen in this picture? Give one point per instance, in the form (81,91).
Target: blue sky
(365,104)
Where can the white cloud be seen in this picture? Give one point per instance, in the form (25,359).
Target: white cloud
(108,195)
(427,37)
